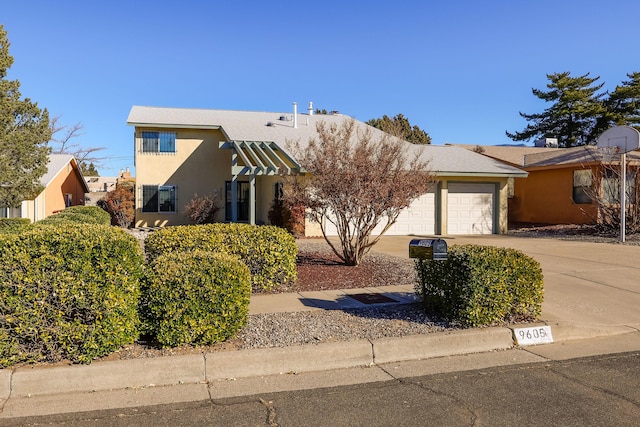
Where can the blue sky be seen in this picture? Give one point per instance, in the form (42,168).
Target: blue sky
(461,70)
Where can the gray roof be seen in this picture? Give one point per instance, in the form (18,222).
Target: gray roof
(514,155)
(279,128)
(529,157)
(56,164)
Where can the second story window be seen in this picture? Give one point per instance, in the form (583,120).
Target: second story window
(158,142)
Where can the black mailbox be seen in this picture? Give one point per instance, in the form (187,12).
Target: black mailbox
(432,249)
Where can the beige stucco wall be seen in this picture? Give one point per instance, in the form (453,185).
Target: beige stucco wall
(267,187)
(199,167)
(312,228)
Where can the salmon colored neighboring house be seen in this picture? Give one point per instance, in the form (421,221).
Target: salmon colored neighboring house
(554,191)
(64,186)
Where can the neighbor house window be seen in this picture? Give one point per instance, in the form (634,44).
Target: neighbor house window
(611,186)
(158,198)
(243,201)
(582,180)
(68,200)
(158,142)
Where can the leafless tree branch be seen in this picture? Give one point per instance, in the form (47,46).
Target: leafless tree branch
(355,181)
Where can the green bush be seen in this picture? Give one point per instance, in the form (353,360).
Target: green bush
(14,225)
(99,215)
(67,292)
(480,285)
(196,298)
(79,214)
(268,251)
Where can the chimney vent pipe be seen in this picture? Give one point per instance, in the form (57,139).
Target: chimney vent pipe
(295,115)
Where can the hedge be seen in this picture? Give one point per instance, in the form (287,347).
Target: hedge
(196,298)
(67,292)
(481,285)
(268,251)
(80,214)
(14,225)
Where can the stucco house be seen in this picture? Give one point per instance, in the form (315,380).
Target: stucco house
(99,186)
(555,190)
(64,186)
(238,155)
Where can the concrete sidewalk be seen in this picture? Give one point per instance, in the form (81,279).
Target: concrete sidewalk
(592,304)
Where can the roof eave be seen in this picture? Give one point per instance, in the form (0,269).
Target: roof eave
(173,125)
(483,174)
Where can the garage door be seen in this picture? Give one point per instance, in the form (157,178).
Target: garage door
(470,208)
(418,219)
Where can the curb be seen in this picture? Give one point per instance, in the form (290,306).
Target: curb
(566,331)
(302,358)
(25,382)
(192,369)
(120,374)
(441,344)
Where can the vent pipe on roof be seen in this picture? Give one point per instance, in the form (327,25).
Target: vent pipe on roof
(295,115)
(310,109)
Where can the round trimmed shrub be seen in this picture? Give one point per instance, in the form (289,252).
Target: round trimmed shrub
(68,292)
(480,285)
(196,298)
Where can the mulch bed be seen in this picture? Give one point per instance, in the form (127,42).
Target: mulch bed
(322,270)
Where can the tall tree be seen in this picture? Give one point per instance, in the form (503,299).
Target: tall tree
(24,132)
(400,127)
(356,181)
(623,104)
(573,117)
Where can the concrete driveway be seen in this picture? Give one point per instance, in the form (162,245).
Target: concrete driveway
(589,287)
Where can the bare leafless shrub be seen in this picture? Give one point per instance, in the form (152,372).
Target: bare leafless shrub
(355,181)
(605,193)
(203,209)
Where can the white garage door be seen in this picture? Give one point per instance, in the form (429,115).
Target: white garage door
(470,208)
(418,219)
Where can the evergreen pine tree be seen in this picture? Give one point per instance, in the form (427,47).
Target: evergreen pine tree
(573,117)
(24,133)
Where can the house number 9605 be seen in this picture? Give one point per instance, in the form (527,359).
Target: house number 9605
(533,335)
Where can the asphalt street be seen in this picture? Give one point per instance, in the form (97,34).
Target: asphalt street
(593,391)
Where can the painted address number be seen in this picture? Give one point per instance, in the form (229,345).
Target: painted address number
(533,335)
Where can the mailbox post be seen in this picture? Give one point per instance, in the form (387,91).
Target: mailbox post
(428,249)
